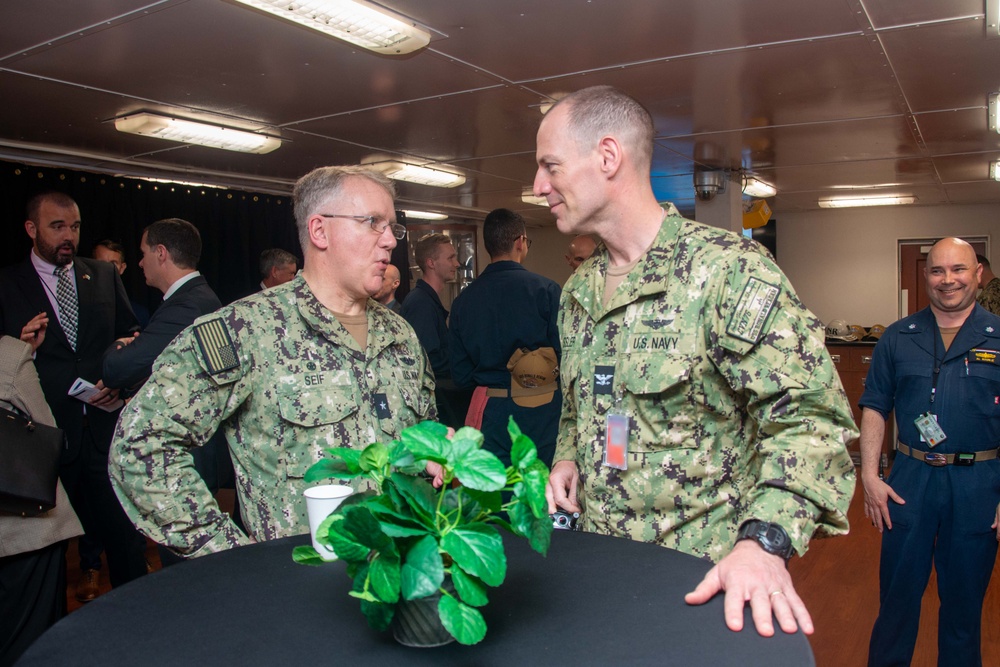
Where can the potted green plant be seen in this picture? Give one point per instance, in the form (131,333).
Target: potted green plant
(407,543)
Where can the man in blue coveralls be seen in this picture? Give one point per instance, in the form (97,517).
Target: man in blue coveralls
(505,342)
(939,369)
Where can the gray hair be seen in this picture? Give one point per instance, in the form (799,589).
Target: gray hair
(273,257)
(320,184)
(598,111)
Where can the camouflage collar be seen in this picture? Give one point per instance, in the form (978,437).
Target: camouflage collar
(647,278)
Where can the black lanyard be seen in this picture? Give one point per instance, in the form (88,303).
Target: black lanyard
(937,364)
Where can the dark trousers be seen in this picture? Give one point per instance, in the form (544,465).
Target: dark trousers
(89,488)
(32,597)
(946,519)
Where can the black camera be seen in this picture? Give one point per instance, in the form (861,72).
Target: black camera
(564,520)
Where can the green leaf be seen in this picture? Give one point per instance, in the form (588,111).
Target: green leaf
(306,555)
(427,441)
(469,588)
(379,614)
(465,441)
(384,574)
(482,471)
(325,469)
(522,452)
(489,501)
(537,530)
(345,544)
(418,494)
(423,570)
(375,457)
(535,479)
(478,550)
(463,622)
(364,527)
(403,460)
(399,523)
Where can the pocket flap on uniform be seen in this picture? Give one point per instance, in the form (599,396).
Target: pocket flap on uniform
(655,374)
(317,408)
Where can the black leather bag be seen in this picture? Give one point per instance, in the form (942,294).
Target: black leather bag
(29,464)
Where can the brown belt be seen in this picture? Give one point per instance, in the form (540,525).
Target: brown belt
(494,392)
(937,460)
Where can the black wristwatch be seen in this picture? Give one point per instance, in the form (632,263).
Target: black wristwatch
(770,536)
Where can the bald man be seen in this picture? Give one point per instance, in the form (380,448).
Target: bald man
(939,370)
(387,293)
(580,248)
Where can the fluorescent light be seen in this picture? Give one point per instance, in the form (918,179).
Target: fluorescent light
(528,197)
(995,170)
(847,202)
(170,181)
(359,22)
(411,173)
(425,215)
(993,118)
(192,132)
(754,187)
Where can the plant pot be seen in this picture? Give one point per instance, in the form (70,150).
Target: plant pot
(417,624)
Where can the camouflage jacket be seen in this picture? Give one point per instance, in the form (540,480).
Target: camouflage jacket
(735,408)
(989,298)
(282,378)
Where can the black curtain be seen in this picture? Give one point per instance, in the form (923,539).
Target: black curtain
(235,226)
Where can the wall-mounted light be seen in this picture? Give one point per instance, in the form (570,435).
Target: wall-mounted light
(848,202)
(359,22)
(995,170)
(424,215)
(421,175)
(754,187)
(196,132)
(528,197)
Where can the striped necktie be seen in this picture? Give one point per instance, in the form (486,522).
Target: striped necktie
(68,304)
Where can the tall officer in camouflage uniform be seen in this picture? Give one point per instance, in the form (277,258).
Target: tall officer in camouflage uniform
(286,373)
(686,348)
(938,370)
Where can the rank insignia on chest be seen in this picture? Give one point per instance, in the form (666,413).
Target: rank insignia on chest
(604,379)
(381,405)
(216,346)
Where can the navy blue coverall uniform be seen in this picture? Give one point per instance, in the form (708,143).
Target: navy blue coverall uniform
(506,308)
(948,509)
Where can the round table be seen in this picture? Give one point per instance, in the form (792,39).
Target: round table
(594,600)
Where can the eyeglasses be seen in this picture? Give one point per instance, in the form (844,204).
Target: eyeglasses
(378,224)
(526,239)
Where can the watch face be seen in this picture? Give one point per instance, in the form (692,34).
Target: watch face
(771,537)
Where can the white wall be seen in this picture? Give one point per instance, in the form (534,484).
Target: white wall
(844,263)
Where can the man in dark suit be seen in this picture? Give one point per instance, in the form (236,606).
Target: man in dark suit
(170,252)
(70,309)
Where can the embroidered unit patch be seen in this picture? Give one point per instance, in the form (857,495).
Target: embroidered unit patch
(751,313)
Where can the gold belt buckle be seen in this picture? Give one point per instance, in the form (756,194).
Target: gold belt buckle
(935,459)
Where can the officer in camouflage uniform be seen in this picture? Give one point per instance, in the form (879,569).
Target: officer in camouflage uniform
(694,339)
(989,298)
(290,371)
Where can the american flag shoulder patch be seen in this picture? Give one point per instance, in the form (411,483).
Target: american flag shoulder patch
(216,346)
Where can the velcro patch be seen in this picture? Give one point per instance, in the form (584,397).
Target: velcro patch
(216,346)
(755,304)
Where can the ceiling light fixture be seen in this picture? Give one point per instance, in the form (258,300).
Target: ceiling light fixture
(411,173)
(847,202)
(425,215)
(359,22)
(993,117)
(193,132)
(754,187)
(995,170)
(528,197)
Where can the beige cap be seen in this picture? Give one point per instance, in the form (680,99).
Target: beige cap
(534,376)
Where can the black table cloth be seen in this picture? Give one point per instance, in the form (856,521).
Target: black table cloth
(594,600)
